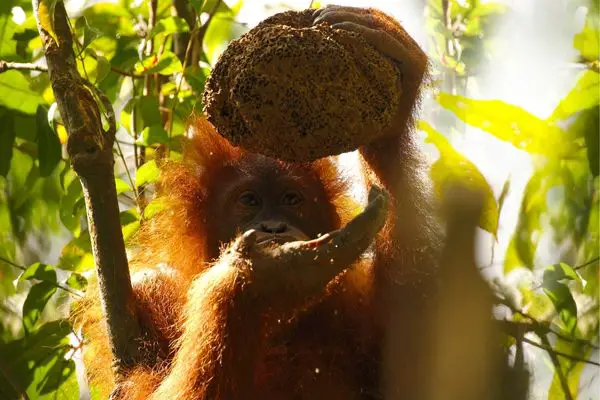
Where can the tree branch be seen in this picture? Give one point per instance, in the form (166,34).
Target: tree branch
(90,150)
(551,351)
(7,66)
(537,327)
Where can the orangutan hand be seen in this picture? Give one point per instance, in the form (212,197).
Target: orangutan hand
(306,267)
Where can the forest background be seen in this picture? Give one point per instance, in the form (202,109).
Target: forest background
(513,109)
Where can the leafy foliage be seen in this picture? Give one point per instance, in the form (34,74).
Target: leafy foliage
(154,76)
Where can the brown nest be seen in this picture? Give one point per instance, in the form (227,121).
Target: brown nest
(299,92)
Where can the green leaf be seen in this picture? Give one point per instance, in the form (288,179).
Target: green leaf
(102,69)
(77,254)
(153,208)
(7,138)
(511,124)
(70,211)
(588,43)
(170,25)
(57,376)
(584,95)
(563,301)
(560,271)
(122,186)
(129,230)
(89,34)
(571,369)
(147,173)
(49,149)
(149,109)
(221,7)
(197,4)
(153,135)
(130,223)
(219,35)
(25,127)
(167,64)
(127,114)
(77,281)
(196,78)
(42,272)
(453,168)
(591,119)
(537,304)
(522,247)
(8,46)
(39,364)
(36,300)
(15,93)
(46,16)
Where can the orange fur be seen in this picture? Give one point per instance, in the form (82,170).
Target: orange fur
(213,339)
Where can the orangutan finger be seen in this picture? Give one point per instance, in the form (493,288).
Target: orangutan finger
(381,40)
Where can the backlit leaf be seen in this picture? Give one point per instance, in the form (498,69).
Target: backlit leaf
(147,173)
(584,95)
(588,43)
(510,123)
(102,69)
(170,25)
(167,64)
(34,304)
(197,4)
(46,16)
(122,186)
(15,93)
(453,168)
(39,271)
(563,301)
(153,135)
(76,281)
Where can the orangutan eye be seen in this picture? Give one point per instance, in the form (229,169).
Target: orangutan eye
(249,199)
(291,198)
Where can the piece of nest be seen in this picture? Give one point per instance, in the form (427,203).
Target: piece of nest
(298,92)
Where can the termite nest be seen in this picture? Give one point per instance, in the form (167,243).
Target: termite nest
(298,92)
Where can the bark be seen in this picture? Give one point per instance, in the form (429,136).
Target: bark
(89,147)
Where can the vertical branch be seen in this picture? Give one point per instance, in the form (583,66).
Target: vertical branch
(564,383)
(90,151)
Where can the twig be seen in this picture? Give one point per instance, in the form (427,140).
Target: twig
(131,182)
(7,66)
(592,261)
(551,351)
